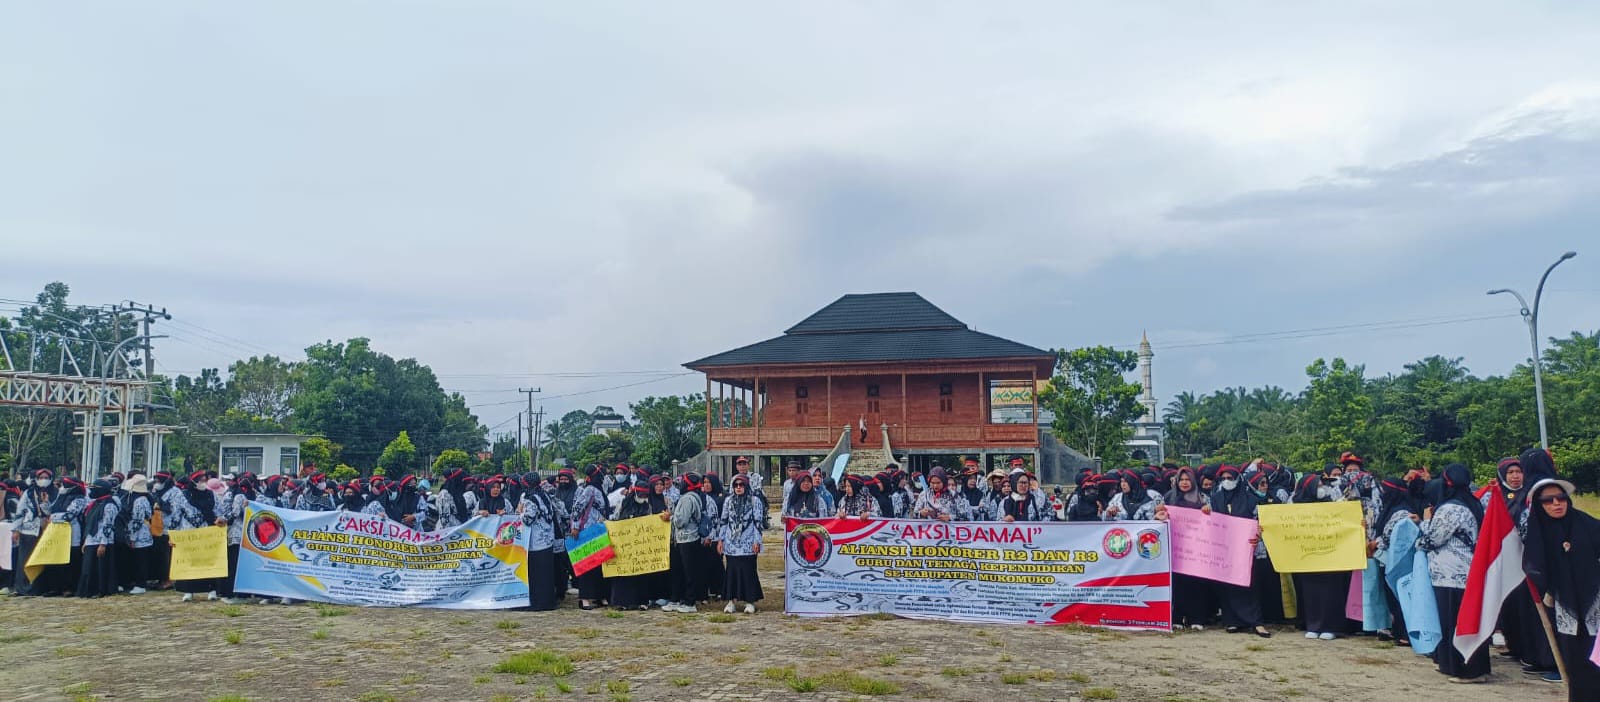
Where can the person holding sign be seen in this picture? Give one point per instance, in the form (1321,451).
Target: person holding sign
(33,509)
(939,501)
(739,540)
(1449,536)
(1562,559)
(67,509)
(854,502)
(640,500)
(1321,595)
(1396,504)
(202,513)
(1136,502)
(1192,599)
(545,519)
(1241,608)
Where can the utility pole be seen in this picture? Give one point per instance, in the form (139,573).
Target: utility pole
(151,314)
(538,436)
(529,392)
(1531,317)
(518,455)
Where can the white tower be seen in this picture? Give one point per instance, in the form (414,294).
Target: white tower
(1148,399)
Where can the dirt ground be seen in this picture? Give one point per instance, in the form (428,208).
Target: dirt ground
(152,647)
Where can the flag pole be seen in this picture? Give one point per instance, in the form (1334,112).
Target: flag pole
(1550,633)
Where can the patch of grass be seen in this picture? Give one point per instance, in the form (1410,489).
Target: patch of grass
(878,617)
(327,610)
(1293,692)
(320,634)
(803,684)
(376,696)
(682,681)
(234,637)
(1256,647)
(586,654)
(863,685)
(616,686)
(540,693)
(583,632)
(1078,677)
(482,679)
(539,661)
(229,698)
(950,672)
(78,628)
(614,614)
(519,680)
(1281,679)
(778,673)
(410,678)
(1045,675)
(1372,660)
(888,660)
(17,638)
(1163,672)
(502,697)
(1014,678)
(1383,645)
(331,682)
(563,687)
(733,659)
(721,618)
(677,656)
(593,688)
(997,643)
(82,688)
(231,610)
(246,675)
(1005,658)
(69,651)
(1103,635)
(1099,693)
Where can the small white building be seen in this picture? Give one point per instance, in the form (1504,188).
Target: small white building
(606,423)
(261,454)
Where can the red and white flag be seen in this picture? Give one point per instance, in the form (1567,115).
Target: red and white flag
(1496,571)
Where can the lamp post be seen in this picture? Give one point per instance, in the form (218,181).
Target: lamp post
(1531,317)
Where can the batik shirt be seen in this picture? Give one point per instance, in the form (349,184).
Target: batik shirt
(30,513)
(739,533)
(315,501)
(234,513)
(177,513)
(1449,538)
(1387,532)
(1144,512)
(588,507)
(138,529)
(810,507)
(862,503)
(447,509)
(543,519)
(948,502)
(103,532)
(374,508)
(989,508)
(73,516)
(1033,511)
(755,482)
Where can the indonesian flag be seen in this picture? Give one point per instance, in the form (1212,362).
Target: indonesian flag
(1496,571)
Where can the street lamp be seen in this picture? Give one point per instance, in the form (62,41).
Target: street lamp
(1532,319)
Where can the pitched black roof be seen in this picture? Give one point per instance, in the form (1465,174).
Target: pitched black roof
(875,327)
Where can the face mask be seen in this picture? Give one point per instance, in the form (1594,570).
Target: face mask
(158,486)
(1230,484)
(42,482)
(1259,493)
(641,499)
(322,485)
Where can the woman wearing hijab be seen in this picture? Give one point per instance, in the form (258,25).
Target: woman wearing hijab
(941,502)
(854,502)
(1136,502)
(693,527)
(635,591)
(1507,483)
(401,503)
(1084,504)
(712,487)
(803,502)
(319,495)
(98,577)
(374,495)
(1321,596)
(542,516)
(456,504)
(202,513)
(351,499)
(231,509)
(1192,600)
(495,503)
(1537,657)
(1449,536)
(589,508)
(566,489)
(33,511)
(973,493)
(1024,505)
(1241,606)
(1561,556)
(135,570)
(67,509)
(1395,505)
(739,541)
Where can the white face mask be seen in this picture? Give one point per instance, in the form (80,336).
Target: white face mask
(1230,484)
(641,499)
(158,486)
(42,482)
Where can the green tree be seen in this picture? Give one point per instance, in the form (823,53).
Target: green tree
(667,429)
(263,387)
(399,458)
(1093,401)
(450,460)
(608,449)
(343,473)
(564,436)
(320,452)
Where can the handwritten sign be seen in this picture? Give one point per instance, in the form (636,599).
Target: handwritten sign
(1212,546)
(1314,538)
(642,544)
(199,554)
(54,548)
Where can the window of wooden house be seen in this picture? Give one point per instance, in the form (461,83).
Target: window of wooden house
(801,392)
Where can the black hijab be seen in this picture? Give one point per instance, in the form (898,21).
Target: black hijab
(973,493)
(1562,556)
(69,492)
(1536,466)
(353,502)
(1192,498)
(1238,502)
(492,503)
(1087,507)
(1396,496)
(716,494)
(99,497)
(880,491)
(801,502)
(455,488)
(1458,488)
(201,499)
(1135,498)
(566,492)
(1309,490)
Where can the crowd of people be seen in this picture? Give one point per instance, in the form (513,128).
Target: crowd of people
(119,526)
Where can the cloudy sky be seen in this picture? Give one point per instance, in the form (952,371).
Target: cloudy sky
(598,192)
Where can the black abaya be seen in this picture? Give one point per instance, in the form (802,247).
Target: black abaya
(1583,678)
(20,583)
(741,582)
(541,575)
(1450,662)
(98,577)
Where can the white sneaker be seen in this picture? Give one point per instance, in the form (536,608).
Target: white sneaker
(728,609)
(233,600)
(5,591)
(1196,627)
(136,590)
(1498,639)
(1327,636)
(572,591)
(211,596)
(261,600)
(285,601)
(1311,634)
(749,608)
(662,603)
(187,597)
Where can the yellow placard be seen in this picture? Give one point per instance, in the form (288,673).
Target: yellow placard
(54,548)
(1314,538)
(642,544)
(199,554)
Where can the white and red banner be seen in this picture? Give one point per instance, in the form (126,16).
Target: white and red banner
(1113,574)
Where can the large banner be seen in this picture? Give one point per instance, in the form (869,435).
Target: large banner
(360,559)
(1115,574)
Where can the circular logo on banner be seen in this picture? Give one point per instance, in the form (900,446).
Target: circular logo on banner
(810,545)
(1149,543)
(266,531)
(510,533)
(1118,543)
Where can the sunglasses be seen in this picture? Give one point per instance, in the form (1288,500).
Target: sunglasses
(1552,499)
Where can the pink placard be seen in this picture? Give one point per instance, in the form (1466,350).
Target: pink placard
(1352,601)
(1212,546)
(1594,656)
